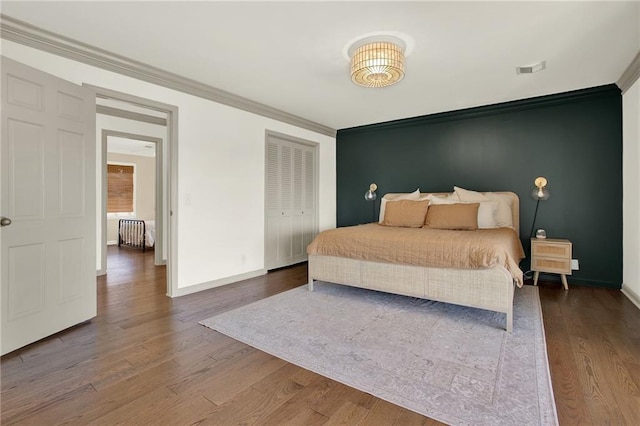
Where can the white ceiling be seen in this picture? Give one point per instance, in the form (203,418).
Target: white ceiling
(289,55)
(127,146)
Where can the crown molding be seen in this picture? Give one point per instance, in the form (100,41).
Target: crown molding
(510,106)
(630,75)
(29,35)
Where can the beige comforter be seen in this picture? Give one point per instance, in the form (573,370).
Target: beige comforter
(483,248)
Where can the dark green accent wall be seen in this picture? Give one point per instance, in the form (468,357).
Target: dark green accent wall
(574,139)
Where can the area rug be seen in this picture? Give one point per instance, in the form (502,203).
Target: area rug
(451,363)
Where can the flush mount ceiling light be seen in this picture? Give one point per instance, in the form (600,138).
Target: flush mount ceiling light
(377,60)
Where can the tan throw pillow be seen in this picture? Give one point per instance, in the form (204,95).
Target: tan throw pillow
(396,197)
(503,215)
(486,211)
(452,216)
(405,213)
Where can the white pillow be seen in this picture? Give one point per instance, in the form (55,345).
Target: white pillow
(449,198)
(503,214)
(434,199)
(487,214)
(486,211)
(408,196)
(467,195)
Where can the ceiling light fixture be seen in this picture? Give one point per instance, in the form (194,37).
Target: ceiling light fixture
(377,61)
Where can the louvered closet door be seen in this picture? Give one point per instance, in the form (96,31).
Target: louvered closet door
(272,202)
(290,201)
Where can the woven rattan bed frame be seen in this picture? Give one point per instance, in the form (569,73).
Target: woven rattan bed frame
(490,289)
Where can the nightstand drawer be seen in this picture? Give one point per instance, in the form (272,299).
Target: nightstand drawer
(552,255)
(552,265)
(548,249)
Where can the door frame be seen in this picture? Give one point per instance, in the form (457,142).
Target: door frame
(159,210)
(171,150)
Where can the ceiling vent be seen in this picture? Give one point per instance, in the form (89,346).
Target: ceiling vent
(530,69)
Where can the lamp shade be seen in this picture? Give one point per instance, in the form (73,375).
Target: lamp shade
(377,64)
(371,195)
(540,192)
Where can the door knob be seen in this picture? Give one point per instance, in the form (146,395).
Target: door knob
(5,221)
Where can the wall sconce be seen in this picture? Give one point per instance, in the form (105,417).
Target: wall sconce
(540,192)
(371,195)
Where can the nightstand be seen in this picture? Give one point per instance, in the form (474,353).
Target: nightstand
(551,255)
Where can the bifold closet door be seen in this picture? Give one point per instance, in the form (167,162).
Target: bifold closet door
(290,201)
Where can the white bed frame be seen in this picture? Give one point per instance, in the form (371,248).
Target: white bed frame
(490,289)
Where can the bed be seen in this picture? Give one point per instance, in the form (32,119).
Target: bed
(489,284)
(136,233)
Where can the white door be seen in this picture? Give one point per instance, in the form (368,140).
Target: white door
(48,257)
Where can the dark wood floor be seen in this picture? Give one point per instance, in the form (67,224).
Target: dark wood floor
(145,360)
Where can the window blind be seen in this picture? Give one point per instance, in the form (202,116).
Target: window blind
(119,188)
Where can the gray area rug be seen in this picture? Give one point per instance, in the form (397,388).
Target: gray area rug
(453,364)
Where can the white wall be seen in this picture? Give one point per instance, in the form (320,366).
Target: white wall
(145,189)
(631,191)
(220,166)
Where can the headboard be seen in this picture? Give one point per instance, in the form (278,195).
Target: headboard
(515,203)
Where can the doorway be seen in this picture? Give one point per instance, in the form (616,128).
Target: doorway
(144,155)
(124,106)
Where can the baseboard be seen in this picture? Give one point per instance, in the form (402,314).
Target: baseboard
(101,272)
(112,243)
(580,281)
(217,283)
(631,295)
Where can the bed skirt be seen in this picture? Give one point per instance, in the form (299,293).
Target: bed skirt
(490,289)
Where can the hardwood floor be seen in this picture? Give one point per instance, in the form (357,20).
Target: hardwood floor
(145,360)
(593,346)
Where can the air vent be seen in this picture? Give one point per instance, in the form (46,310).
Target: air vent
(530,69)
